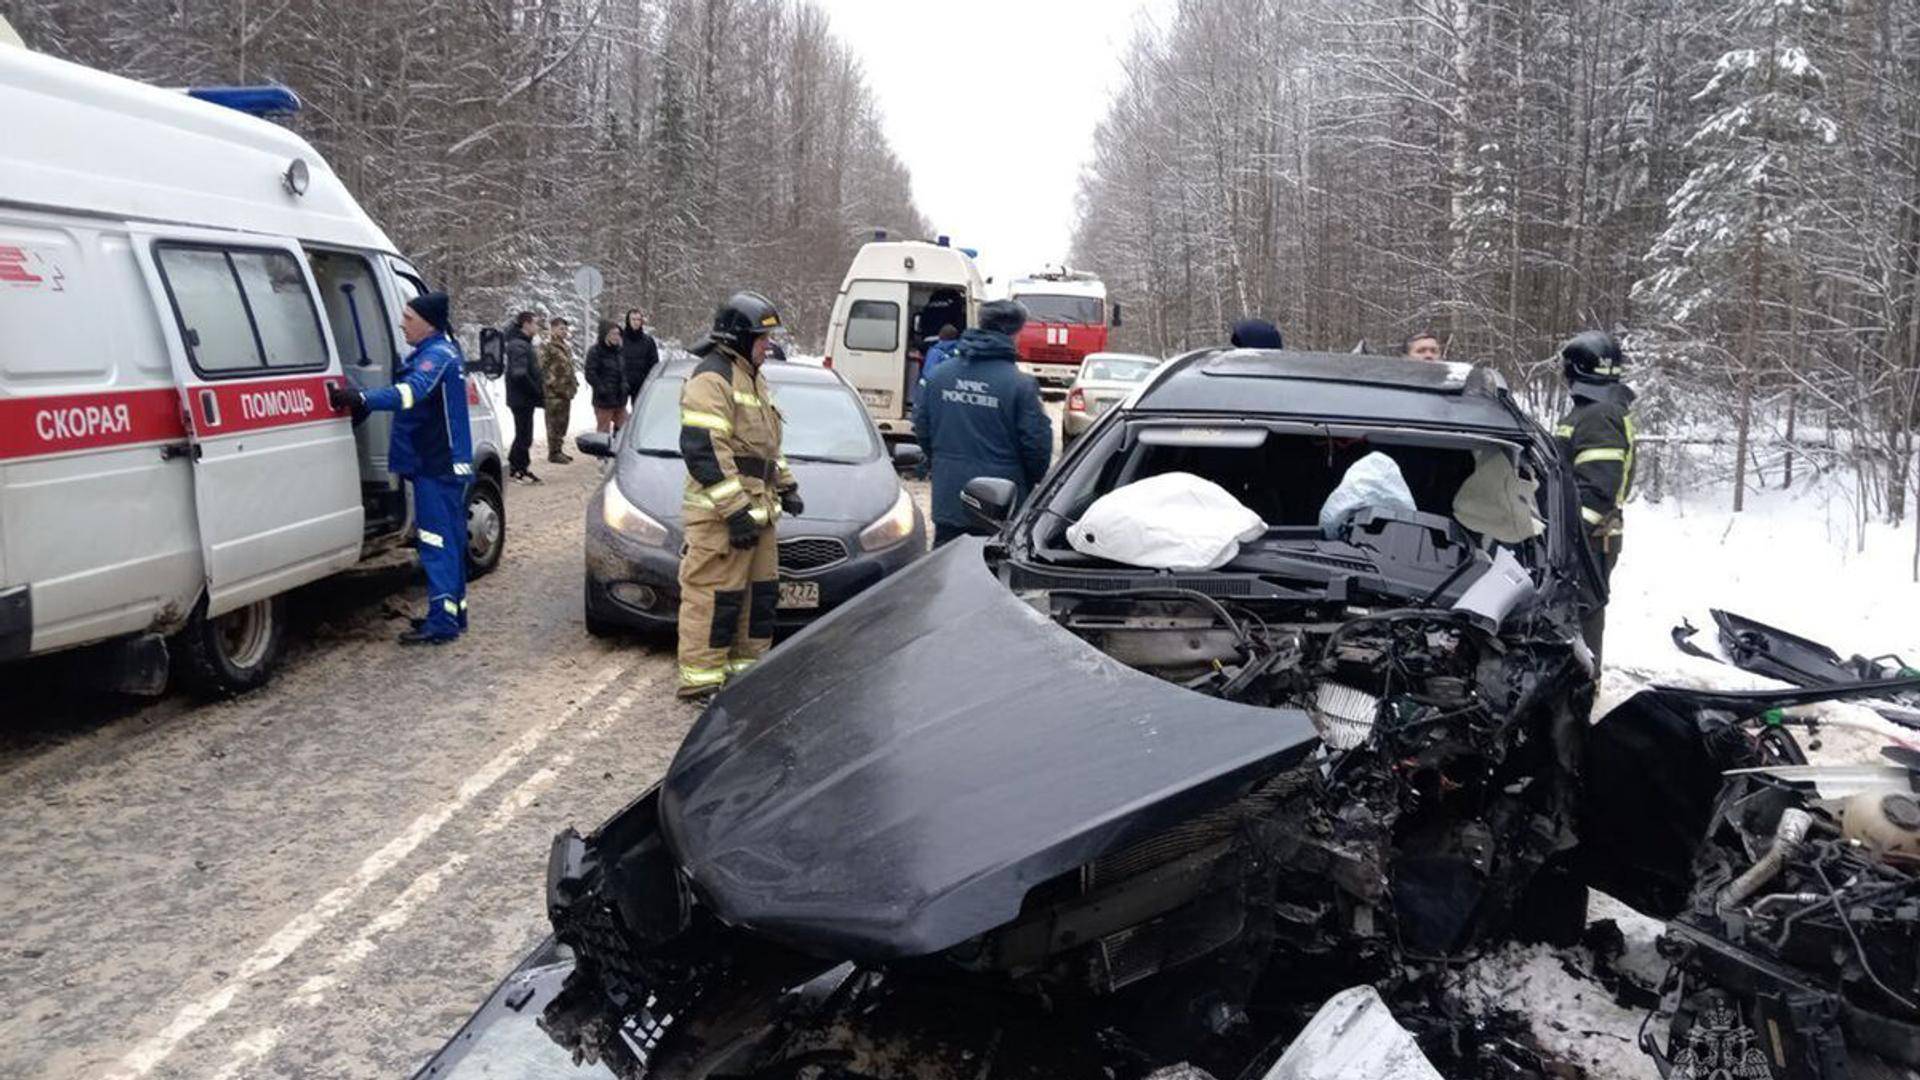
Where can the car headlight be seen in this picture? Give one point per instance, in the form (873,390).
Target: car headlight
(626,519)
(892,527)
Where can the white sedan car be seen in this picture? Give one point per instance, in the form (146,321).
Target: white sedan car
(1105,380)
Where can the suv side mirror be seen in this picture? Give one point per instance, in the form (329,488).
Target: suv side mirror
(908,455)
(594,444)
(493,352)
(1116,316)
(989,500)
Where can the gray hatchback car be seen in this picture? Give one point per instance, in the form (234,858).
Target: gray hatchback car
(860,524)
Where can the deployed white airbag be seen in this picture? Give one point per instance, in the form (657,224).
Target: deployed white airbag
(1174,521)
(1374,480)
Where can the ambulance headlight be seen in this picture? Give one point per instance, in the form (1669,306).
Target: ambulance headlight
(892,527)
(626,519)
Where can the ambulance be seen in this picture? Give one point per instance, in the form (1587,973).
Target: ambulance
(1067,319)
(895,297)
(180,283)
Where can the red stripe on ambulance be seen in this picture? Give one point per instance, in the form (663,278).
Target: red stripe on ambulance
(226,408)
(64,423)
(33,426)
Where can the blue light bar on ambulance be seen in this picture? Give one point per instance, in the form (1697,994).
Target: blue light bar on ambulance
(253,100)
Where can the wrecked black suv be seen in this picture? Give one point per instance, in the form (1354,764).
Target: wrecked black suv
(1079,818)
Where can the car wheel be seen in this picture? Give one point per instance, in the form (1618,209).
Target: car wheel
(596,625)
(231,654)
(486,527)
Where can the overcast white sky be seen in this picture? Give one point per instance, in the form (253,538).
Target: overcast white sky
(992,105)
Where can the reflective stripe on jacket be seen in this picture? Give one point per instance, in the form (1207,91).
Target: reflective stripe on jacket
(730,440)
(1596,438)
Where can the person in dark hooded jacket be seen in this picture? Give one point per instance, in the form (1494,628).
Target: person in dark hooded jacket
(1256,334)
(638,353)
(978,415)
(525,393)
(606,378)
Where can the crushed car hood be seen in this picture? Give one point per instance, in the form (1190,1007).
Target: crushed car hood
(893,781)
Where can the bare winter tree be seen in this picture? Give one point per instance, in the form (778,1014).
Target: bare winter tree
(1730,182)
(687,147)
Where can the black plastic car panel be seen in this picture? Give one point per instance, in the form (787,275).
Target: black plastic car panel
(896,778)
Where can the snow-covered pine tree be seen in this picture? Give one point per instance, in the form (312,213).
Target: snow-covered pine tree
(1742,230)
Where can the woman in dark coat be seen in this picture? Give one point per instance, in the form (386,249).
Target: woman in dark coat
(606,378)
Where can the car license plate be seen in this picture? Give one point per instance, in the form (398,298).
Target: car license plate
(799,595)
(876,399)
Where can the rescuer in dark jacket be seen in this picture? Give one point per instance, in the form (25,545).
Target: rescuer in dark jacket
(431,447)
(978,415)
(525,393)
(1596,437)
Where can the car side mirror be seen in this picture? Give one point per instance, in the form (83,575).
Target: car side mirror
(989,500)
(908,455)
(594,444)
(1116,316)
(493,352)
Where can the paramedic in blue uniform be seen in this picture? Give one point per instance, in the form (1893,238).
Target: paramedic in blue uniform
(432,449)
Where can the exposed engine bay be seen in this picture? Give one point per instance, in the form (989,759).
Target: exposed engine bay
(1443,780)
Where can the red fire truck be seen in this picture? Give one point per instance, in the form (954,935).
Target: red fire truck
(1067,318)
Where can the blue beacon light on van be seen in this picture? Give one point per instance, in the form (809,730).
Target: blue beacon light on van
(269,100)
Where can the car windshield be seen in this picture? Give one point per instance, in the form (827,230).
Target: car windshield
(821,422)
(1117,370)
(1048,308)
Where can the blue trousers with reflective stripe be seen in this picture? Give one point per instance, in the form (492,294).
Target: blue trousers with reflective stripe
(440,513)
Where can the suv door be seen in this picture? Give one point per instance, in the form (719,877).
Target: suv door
(276,475)
(872,350)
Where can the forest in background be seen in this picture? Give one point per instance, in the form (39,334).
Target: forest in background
(1732,185)
(686,147)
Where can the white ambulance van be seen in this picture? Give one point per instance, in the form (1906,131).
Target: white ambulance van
(892,303)
(180,282)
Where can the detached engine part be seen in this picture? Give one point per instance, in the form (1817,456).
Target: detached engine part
(1354,1035)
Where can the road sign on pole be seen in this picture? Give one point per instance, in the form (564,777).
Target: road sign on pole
(589,281)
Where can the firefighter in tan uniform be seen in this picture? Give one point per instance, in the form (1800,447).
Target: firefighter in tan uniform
(738,485)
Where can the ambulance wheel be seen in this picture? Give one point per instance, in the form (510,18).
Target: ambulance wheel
(486,527)
(233,653)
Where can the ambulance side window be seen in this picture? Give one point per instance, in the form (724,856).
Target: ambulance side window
(242,310)
(873,325)
(213,318)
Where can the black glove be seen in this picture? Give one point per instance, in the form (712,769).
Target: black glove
(348,399)
(742,531)
(790,503)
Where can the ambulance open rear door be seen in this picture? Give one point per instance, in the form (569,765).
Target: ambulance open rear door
(872,352)
(276,476)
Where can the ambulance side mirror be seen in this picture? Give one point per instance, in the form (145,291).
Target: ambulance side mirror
(493,352)
(1116,316)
